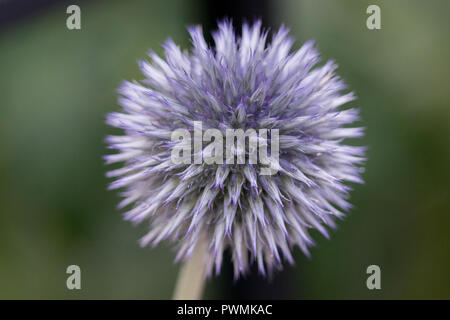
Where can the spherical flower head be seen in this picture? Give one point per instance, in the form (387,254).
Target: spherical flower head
(243,82)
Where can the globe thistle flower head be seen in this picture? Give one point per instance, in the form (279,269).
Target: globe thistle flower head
(242,82)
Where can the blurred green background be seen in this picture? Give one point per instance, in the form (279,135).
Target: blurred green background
(56,86)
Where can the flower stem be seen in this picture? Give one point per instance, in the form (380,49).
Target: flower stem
(191,279)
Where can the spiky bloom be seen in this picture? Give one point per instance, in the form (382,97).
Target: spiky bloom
(241,82)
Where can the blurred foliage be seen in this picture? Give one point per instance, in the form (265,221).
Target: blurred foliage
(57,85)
(401,218)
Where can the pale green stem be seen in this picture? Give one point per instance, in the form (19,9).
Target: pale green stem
(191,279)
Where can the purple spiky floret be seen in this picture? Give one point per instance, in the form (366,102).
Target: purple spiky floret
(241,82)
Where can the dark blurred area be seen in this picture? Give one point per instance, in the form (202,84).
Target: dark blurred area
(57,85)
(12,11)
